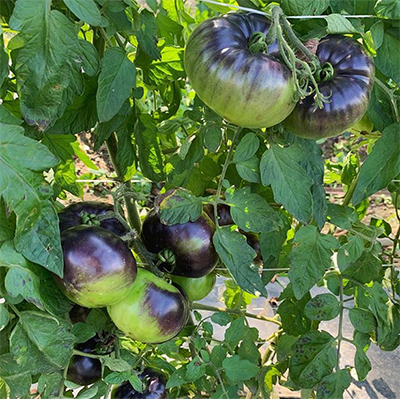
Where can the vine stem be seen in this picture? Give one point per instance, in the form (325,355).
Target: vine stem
(223,173)
(84,354)
(133,214)
(340,336)
(200,306)
(290,16)
(392,99)
(296,41)
(350,192)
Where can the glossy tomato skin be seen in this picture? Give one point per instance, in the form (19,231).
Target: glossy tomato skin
(196,288)
(155,387)
(350,85)
(249,90)
(191,243)
(84,370)
(153,312)
(223,211)
(99,268)
(71,216)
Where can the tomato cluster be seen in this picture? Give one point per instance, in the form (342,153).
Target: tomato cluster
(100,271)
(255,89)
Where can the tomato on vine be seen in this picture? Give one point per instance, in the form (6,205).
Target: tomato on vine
(99,268)
(231,74)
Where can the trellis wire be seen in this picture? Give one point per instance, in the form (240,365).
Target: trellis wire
(288,16)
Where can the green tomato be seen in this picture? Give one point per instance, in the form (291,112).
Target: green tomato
(252,90)
(196,288)
(153,312)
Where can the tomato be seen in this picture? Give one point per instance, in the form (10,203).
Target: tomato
(223,211)
(75,214)
(99,268)
(84,370)
(191,244)
(225,219)
(250,90)
(196,288)
(153,312)
(78,314)
(155,387)
(349,89)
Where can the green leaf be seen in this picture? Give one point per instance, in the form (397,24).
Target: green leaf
(221,318)
(212,135)
(95,323)
(350,252)
(387,316)
(249,170)
(136,383)
(238,256)
(116,377)
(381,166)
(290,183)
(218,354)
(86,10)
(146,34)
(40,242)
(45,335)
(4,316)
(21,161)
(310,258)
(362,320)
(364,269)
(117,78)
(334,385)
(342,216)
(49,384)
(387,9)
(386,59)
(7,223)
(380,110)
(179,207)
(47,65)
(195,369)
(237,369)
(304,7)
(247,147)
(339,24)
(235,332)
(169,29)
(17,378)
(7,118)
(251,212)
(177,378)
(151,159)
(3,62)
(248,349)
(116,364)
(322,307)
(313,359)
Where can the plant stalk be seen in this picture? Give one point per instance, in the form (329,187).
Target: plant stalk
(200,306)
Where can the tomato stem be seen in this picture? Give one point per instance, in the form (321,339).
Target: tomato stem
(223,173)
(200,306)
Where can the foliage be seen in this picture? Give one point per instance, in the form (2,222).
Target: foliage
(115,69)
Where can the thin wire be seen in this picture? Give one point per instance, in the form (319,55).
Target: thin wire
(288,16)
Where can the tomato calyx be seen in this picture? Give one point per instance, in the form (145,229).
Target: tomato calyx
(325,73)
(258,43)
(169,257)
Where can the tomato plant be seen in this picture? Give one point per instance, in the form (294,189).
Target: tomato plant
(191,139)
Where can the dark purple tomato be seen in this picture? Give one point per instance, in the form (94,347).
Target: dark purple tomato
(153,381)
(78,314)
(248,89)
(225,219)
(254,241)
(84,370)
(99,268)
(74,215)
(191,244)
(349,89)
(224,214)
(153,312)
